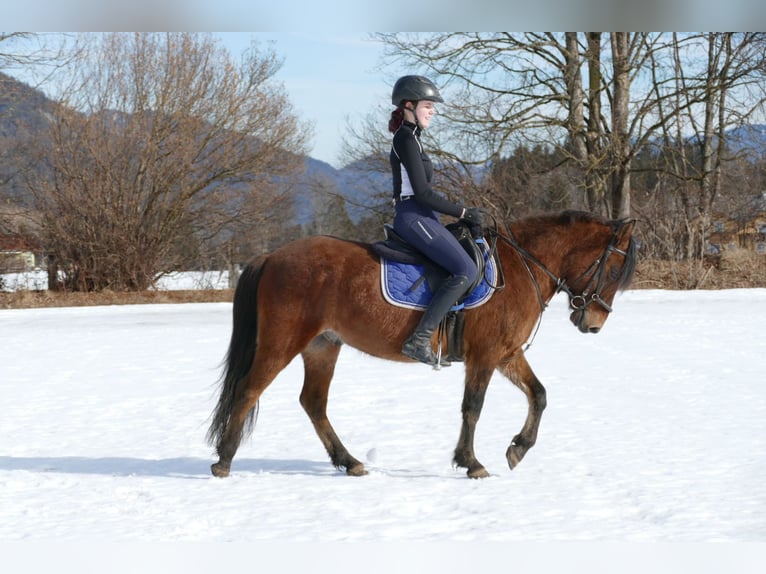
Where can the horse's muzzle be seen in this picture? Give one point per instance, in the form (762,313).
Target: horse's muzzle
(580,319)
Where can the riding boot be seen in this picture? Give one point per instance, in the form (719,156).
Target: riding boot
(418,345)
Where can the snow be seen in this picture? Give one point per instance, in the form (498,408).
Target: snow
(655,432)
(37,280)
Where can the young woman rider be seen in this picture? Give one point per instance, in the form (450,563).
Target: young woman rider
(418,207)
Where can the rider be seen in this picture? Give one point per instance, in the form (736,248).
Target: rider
(418,207)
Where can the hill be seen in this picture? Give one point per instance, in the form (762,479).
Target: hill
(23,110)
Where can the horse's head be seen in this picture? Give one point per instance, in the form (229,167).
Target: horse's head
(603,266)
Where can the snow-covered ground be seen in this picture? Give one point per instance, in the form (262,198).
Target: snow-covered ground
(655,432)
(37,280)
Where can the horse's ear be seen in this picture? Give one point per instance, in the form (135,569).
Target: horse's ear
(626,227)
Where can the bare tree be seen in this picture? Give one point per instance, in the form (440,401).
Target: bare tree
(163,147)
(329,208)
(30,50)
(718,84)
(508,90)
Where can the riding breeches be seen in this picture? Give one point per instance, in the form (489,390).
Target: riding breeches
(426,234)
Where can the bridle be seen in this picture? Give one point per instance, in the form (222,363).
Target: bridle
(591,293)
(598,272)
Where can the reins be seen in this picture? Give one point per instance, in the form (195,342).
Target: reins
(525,257)
(492,254)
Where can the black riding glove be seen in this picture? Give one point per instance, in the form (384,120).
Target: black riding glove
(474,216)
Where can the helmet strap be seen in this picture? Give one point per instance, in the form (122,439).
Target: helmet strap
(414,114)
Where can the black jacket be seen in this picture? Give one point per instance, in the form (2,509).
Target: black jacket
(407,153)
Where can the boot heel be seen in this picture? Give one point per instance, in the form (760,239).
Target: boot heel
(419,348)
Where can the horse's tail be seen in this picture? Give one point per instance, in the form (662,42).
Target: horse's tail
(239,357)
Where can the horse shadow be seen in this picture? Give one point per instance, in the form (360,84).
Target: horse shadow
(183,467)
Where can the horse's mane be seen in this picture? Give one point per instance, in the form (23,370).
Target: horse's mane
(565,218)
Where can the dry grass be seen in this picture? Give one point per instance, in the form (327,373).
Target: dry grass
(731,270)
(34,299)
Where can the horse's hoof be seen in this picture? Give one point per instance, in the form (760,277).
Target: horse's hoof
(478,472)
(219,470)
(356,470)
(514,454)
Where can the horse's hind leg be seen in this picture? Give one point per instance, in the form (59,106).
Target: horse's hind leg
(319,360)
(243,409)
(267,364)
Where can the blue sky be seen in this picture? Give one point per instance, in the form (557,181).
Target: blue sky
(332,79)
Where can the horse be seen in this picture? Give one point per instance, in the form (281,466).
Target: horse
(313,295)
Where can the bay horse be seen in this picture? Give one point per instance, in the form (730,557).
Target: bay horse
(315,294)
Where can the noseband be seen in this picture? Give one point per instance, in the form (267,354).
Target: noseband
(598,270)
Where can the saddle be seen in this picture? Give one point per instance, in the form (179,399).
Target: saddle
(409,279)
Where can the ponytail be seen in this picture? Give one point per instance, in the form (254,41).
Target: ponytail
(397,118)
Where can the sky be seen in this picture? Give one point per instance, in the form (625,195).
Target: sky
(650,458)
(331,78)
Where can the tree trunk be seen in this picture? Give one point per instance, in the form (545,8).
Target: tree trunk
(620,139)
(576,120)
(594,183)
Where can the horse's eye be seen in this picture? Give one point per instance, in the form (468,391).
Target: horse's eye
(614,273)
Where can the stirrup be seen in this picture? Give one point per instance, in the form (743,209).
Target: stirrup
(424,354)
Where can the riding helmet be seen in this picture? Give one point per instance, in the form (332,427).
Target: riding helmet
(414,88)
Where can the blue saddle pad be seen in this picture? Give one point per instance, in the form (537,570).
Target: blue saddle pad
(403,285)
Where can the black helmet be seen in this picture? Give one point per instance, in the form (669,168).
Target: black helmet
(414,88)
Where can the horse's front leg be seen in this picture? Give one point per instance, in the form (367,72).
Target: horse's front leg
(476,382)
(521,375)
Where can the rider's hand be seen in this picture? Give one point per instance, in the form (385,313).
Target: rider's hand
(474,216)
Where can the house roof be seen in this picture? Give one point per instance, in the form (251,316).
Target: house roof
(15,243)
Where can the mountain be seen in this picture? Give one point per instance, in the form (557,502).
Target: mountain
(21,107)
(749,137)
(23,110)
(362,184)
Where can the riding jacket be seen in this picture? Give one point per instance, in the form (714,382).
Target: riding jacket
(418,205)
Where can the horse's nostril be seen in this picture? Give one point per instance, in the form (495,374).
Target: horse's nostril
(594,330)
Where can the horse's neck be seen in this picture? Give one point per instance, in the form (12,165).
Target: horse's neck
(551,251)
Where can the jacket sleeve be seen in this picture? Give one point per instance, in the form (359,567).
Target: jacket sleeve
(408,150)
